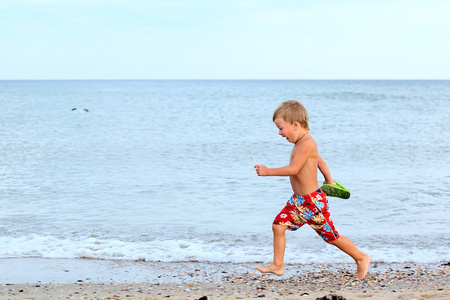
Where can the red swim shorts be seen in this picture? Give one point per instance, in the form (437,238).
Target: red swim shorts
(311,209)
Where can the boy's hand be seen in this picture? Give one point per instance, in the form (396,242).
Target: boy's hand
(261,170)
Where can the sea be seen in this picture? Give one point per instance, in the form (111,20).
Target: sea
(163,170)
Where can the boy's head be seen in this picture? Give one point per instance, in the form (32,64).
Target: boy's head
(291,111)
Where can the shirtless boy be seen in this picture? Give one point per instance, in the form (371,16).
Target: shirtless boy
(309,203)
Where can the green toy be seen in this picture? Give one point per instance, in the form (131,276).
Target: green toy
(337,190)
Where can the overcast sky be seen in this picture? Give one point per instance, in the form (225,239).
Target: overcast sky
(224,39)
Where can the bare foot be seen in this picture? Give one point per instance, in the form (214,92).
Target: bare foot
(277,270)
(363,266)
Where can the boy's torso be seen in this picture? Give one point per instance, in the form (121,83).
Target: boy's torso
(305,181)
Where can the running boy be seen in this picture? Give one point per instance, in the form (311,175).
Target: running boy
(309,203)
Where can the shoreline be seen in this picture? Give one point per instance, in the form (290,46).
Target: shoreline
(108,279)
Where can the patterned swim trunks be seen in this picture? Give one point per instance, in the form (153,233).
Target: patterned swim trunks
(311,209)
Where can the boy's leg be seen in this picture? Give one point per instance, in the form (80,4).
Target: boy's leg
(362,259)
(279,245)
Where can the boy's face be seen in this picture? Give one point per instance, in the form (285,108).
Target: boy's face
(287,130)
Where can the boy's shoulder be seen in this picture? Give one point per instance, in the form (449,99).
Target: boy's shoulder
(307,143)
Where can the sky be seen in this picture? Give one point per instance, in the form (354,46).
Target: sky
(224,39)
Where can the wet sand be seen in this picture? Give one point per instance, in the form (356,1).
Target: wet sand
(91,279)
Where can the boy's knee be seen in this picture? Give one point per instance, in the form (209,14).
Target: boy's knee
(278,228)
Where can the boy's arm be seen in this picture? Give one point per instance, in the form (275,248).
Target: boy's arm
(299,158)
(323,168)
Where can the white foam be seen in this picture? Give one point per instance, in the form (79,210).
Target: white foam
(184,250)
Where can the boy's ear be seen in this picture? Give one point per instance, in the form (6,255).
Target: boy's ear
(296,125)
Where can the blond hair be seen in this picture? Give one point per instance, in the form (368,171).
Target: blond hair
(291,111)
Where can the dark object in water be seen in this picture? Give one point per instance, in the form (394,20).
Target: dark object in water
(81,110)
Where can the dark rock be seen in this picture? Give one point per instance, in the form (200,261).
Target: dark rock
(331,297)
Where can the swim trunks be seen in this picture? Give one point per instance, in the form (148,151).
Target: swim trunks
(311,209)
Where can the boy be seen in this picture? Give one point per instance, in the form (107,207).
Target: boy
(291,118)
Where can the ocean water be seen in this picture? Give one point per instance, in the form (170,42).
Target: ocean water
(163,170)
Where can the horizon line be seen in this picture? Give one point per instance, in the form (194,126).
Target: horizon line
(230,79)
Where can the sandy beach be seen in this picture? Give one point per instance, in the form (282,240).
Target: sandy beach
(106,279)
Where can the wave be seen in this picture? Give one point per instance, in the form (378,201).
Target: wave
(35,245)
